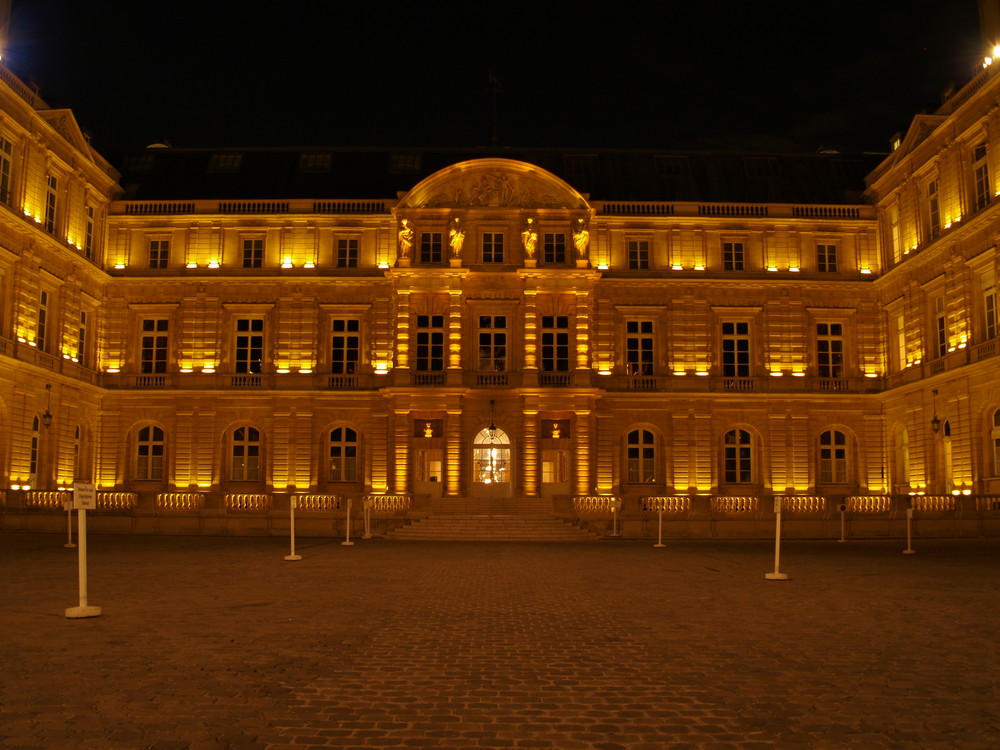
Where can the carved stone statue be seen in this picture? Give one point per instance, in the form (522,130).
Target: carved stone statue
(581,238)
(456,237)
(405,239)
(529,238)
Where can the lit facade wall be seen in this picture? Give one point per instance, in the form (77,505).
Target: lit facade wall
(626,349)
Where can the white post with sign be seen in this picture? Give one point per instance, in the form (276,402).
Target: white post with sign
(777,575)
(347,541)
(291,528)
(84,499)
(909,533)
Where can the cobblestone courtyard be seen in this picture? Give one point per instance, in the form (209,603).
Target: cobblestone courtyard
(210,643)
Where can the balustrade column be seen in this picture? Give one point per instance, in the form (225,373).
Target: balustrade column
(529,452)
(583,450)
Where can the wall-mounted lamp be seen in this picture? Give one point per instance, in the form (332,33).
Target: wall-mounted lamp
(47,416)
(935,422)
(492,429)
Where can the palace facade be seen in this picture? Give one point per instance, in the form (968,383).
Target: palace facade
(212,333)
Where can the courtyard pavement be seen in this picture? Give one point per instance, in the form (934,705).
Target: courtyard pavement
(208,643)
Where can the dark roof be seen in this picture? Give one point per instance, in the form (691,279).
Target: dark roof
(602,174)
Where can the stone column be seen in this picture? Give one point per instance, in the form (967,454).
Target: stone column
(453,452)
(529,451)
(583,450)
(401,450)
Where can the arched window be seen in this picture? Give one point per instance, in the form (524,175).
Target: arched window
(640,451)
(738,457)
(833,457)
(33,462)
(149,451)
(246,454)
(995,434)
(491,456)
(343,455)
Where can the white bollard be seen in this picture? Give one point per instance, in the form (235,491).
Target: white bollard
(659,535)
(291,529)
(909,533)
(347,542)
(777,575)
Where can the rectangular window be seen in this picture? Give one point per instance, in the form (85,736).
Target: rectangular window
(51,187)
(315,162)
(41,330)
(253,252)
(345,346)
(933,208)
(639,347)
(6,149)
(901,341)
(830,350)
(940,327)
(555,466)
(981,174)
(555,343)
(492,247)
(431,247)
(81,340)
(990,308)
(736,350)
(638,255)
(347,253)
(159,253)
(154,345)
(88,234)
(553,248)
(826,258)
(732,256)
(895,236)
(430,343)
(249,345)
(492,343)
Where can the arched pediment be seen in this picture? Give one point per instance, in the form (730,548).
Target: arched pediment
(493,183)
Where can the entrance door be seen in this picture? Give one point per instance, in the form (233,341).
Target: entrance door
(491,464)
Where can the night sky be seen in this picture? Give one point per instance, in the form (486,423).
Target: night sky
(775,76)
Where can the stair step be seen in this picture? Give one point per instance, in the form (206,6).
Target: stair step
(477,527)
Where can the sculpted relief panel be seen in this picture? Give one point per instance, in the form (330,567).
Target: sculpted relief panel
(493,183)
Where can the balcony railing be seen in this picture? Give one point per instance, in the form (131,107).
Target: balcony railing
(742,210)
(554,379)
(302,206)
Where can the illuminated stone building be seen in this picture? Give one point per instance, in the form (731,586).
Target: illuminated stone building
(211,334)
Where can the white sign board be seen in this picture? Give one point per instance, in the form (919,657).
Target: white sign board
(84,496)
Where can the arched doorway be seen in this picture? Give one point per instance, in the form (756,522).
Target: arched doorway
(491,469)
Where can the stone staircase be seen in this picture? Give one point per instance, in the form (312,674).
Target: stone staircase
(461,527)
